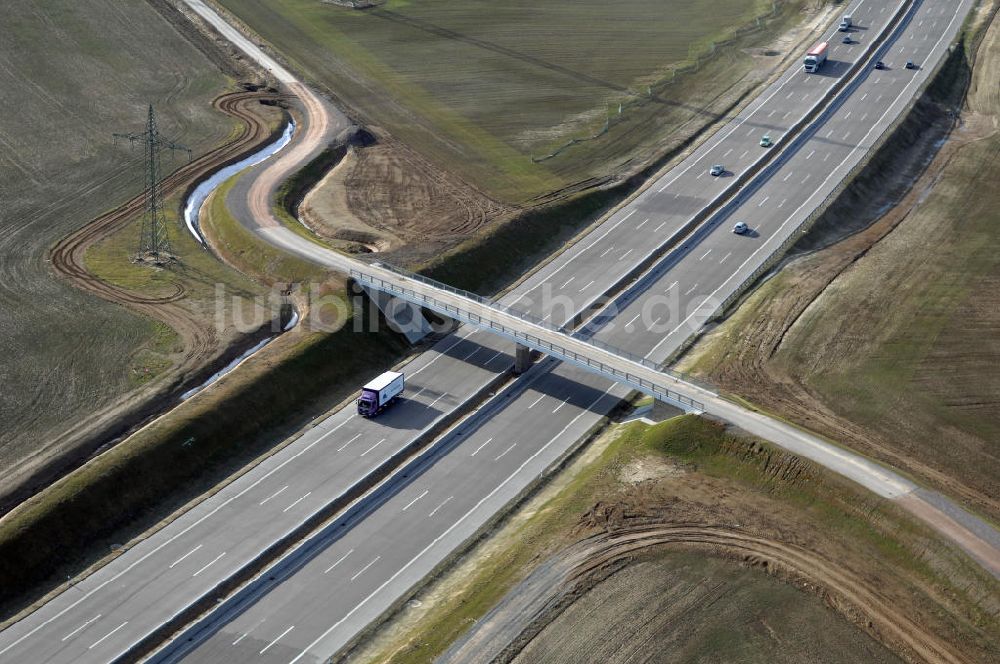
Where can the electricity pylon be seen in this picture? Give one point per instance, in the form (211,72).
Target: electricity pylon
(154,241)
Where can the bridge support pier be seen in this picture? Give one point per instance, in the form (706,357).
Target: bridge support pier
(522,359)
(402,316)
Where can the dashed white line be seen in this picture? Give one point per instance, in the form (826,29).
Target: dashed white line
(410,504)
(705,254)
(744,153)
(606,251)
(214,560)
(504,453)
(782,203)
(592,281)
(561,404)
(662,224)
(365,568)
(724,258)
(339,560)
(78,629)
(728,152)
(691,290)
(296,502)
(810,155)
(790,174)
(806,178)
(482,446)
(373,447)
(280,636)
(344,446)
(633,320)
(569,280)
(621,258)
(98,641)
(669,287)
(443,503)
(273,495)
(535,402)
(171,566)
(642,224)
(764,200)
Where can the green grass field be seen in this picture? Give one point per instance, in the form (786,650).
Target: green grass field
(73,72)
(902,345)
(480,87)
(697,474)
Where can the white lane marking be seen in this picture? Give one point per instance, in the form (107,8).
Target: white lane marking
(789,95)
(810,155)
(535,402)
(806,178)
(442,396)
(831,173)
(214,560)
(171,566)
(582,251)
(704,255)
(785,116)
(773,111)
(482,446)
(805,96)
(605,252)
(864,96)
(846,136)
(790,173)
(450,528)
(591,282)
(642,224)
(691,290)
(280,636)
(373,447)
(726,257)
(744,153)
(365,568)
(782,203)
(469,356)
(339,560)
(700,175)
(728,152)
(826,156)
(344,446)
(504,453)
(621,258)
(828,134)
(662,224)
(98,641)
(567,282)
(296,502)
(410,504)
(174,538)
(669,287)
(275,494)
(633,319)
(443,503)
(243,636)
(848,115)
(764,200)
(78,629)
(750,133)
(561,404)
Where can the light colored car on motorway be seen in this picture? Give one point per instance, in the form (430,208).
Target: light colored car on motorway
(765,141)
(741,228)
(717,169)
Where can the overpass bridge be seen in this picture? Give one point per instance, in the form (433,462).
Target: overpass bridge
(531,333)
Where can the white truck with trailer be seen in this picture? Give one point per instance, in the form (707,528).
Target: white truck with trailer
(379,393)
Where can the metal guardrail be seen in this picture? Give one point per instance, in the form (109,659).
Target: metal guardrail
(655,389)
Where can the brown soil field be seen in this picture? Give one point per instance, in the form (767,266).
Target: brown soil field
(888,340)
(685,541)
(74,72)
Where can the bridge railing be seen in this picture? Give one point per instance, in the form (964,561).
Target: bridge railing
(657,389)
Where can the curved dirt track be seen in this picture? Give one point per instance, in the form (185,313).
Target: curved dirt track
(502,635)
(201,345)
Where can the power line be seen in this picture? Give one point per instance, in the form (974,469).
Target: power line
(154,240)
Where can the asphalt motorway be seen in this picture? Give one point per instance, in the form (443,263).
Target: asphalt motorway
(364,564)
(531,425)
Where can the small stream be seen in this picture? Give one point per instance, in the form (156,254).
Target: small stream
(192,209)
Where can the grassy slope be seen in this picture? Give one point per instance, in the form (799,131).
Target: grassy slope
(72,73)
(503,82)
(904,343)
(842,516)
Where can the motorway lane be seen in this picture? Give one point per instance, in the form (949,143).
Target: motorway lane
(99,617)
(584,272)
(392,547)
(79,624)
